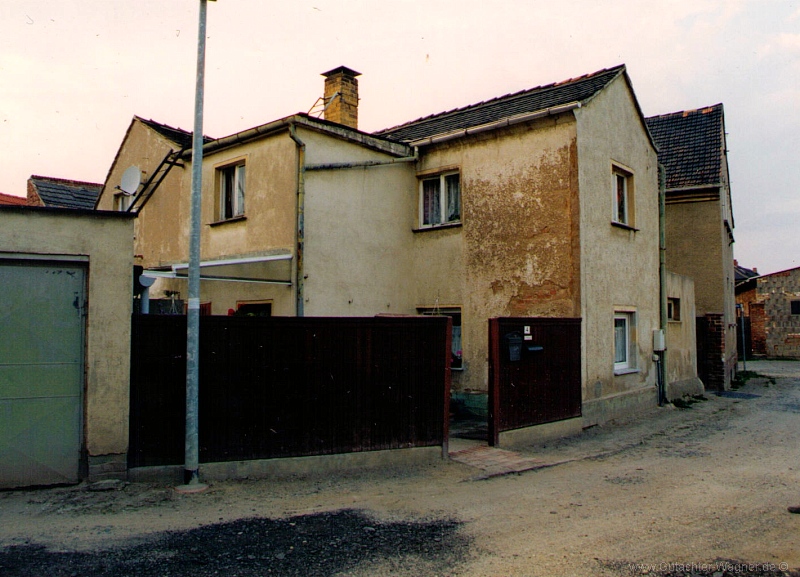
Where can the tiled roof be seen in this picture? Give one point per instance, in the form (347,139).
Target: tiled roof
(527,101)
(176,135)
(61,193)
(11,199)
(690,145)
(741,273)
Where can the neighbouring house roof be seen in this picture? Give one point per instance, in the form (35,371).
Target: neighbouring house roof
(574,90)
(176,135)
(62,193)
(13,200)
(690,145)
(742,274)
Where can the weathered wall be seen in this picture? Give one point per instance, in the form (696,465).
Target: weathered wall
(162,230)
(107,240)
(358,231)
(619,266)
(781,327)
(681,340)
(516,253)
(694,250)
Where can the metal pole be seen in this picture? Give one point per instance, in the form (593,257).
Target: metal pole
(191,477)
(744,343)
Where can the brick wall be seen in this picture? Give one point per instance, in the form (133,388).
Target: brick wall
(757,335)
(713,368)
(781,327)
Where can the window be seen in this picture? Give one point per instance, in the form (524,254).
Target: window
(456,361)
(231,191)
(623,342)
(673,309)
(253,309)
(622,183)
(795,307)
(122,201)
(440,200)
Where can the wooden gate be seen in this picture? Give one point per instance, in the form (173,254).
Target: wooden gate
(534,372)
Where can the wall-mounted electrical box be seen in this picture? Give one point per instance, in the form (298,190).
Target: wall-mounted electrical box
(659,340)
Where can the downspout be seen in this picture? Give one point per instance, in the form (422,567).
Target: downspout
(662,278)
(300,230)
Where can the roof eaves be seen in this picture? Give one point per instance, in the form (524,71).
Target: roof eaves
(330,128)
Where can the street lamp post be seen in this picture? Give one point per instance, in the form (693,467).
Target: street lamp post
(191,477)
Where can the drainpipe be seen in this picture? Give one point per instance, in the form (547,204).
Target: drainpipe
(662,277)
(300,231)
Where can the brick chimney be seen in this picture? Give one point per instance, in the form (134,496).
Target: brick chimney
(341,96)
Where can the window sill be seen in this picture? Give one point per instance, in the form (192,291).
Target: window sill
(437,227)
(624,226)
(227,220)
(629,371)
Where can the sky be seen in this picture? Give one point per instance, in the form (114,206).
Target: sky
(74,72)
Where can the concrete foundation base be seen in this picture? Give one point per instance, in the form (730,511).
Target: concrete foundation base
(293,466)
(102,467)
(540,433)
(620,405)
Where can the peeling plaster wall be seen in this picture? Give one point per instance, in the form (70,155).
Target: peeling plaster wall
(517,251)
(619,266)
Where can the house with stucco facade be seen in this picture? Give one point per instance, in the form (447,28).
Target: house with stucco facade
(699,229)
(541,203)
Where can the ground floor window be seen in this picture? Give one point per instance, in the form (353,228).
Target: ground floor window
(624,323)
(456,360)
(253,309)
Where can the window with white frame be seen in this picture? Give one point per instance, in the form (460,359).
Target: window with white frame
(440,199)
(454,313)
(122,201)
(231,191)
(624,323)
(622,184)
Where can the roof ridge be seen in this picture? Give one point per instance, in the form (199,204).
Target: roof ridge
(66,180)
(684,113)
(509,96)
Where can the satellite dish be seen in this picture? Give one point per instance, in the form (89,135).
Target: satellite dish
(131,179)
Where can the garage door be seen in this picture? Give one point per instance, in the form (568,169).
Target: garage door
(41,372)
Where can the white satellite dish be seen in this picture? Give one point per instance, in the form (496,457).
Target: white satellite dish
(131,179)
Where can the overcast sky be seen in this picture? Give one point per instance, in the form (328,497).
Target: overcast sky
(74,72)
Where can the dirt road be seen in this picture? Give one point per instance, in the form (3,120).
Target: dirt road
(665,493)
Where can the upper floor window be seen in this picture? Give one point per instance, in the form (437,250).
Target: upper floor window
(440,199)
(122,201)
(622,187)
(795,307)
(231,191)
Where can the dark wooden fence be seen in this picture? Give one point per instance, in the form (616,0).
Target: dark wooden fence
(287,387)
(534,372)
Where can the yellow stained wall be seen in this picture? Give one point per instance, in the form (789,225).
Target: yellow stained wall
(162,229)
(619,267)
(107,240)
(681,335)
(517,251)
